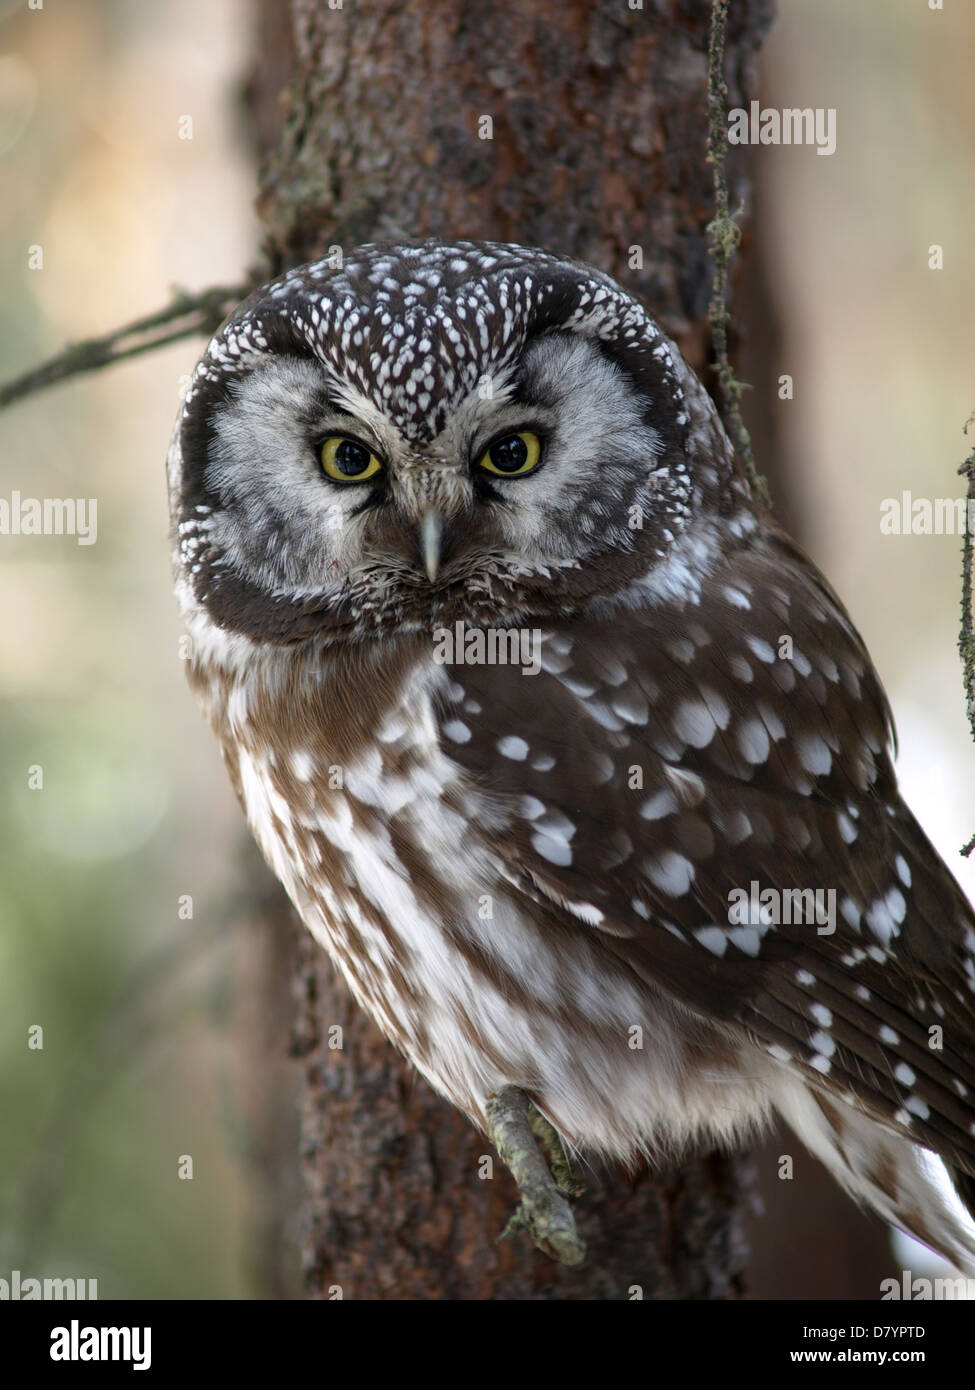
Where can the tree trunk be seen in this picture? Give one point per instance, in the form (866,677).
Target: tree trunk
(579,127)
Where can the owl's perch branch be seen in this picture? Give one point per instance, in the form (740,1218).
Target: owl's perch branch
(512,1128)
(187,316)
(966,639)
(724,235)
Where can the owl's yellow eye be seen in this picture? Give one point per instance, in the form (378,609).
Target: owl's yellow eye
(512,456)
(348,461)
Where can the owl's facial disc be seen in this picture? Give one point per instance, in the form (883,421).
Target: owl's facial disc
(325,500)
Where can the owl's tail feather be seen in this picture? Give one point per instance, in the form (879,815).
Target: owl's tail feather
(882,1170)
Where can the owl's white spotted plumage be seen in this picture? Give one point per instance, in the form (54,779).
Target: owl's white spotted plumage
(522,877)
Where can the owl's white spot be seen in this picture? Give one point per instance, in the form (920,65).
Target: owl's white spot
(662,803)
(393,728)
(543,763)
(771,721)
(736,597)
(457,731)
(801,662)
(672,873)
(803,977)
(903,870)
(740,668)
(747,939)
(896,905)
(823,1043)
(881,920)
(302,765)
(688,787)
(760,648)
(753,741)
(555,822)
(604,716)
(640,908)
(917,1107)
(737,827)
(886,1034)
(631,705)
(814,755)
(904,1074)
(717,706)
(514,748)
(848,831)
(681,650)
(828,666)
(850,913)
(611,671)
(531,808)
(780,1054)
(694,724)
(712,938)
(577,686)
(822,1015)
(553,848)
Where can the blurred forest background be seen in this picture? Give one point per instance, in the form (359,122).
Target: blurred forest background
(156,1040)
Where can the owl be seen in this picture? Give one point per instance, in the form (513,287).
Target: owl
(563,750)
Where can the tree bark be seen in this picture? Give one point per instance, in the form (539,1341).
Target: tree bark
(579,127)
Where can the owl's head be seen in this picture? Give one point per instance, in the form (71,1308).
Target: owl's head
(432,432)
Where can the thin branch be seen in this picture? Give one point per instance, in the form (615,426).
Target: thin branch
(966,638)
(724,234)
(187,316)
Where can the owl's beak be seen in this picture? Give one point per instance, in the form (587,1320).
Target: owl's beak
(431,537)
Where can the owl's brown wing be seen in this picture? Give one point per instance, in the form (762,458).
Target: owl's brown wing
(674,763)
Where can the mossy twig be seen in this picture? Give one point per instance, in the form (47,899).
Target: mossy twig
(724,234)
